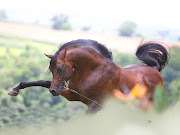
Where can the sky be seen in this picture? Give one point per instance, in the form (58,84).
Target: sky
(101,15)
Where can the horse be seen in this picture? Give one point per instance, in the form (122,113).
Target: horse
(83,70)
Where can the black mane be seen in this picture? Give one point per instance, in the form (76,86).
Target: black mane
(97,46)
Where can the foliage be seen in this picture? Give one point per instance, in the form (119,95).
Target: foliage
(175,59)
(3,15)
(174,88)
(160,99)
(86,28)
(127,28)
(61,22)
(24,60)
(172,73)
(138,35)
(122,59)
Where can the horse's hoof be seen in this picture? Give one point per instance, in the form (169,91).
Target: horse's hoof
(13,93)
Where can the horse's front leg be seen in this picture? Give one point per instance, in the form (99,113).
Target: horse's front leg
(22,85)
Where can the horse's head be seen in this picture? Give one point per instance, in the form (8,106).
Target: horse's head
(61,70)
(75,61)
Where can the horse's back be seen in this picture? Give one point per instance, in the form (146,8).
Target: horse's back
(133,66)
(139,73)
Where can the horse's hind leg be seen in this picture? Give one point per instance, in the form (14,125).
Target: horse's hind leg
(22,85)
(147,101)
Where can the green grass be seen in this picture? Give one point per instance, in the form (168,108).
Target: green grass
(22,59)
(18,45)
(10,37)
(15,51)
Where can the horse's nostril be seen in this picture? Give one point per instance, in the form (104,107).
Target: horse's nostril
(53,92)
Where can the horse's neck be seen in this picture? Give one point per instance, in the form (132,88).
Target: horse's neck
(85,62)
(86,67)
(84,59)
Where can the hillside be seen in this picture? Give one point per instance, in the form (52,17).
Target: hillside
(18,45)
(22,59)
(42,33)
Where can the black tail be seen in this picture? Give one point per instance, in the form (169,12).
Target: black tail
(153,54)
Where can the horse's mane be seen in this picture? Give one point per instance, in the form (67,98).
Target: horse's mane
(102,49)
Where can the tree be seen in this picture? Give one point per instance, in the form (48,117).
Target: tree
(160,99)
(61,22)
(3,15)
(138,35)
(127,28)
(163,33)
(174,62)
(174,87)
(86,28)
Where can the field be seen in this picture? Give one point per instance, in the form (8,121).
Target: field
(47,34)
(18,44)
(37,112)
(23,59)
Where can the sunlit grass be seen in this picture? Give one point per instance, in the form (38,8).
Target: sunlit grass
(17,45)
(5,51)
(115,119)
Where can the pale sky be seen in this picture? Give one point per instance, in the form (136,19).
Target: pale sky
(102,14)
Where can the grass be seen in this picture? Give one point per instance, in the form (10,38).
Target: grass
(114,119)
(17,45)
(15,51)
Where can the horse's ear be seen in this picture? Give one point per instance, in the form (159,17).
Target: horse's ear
(49,56)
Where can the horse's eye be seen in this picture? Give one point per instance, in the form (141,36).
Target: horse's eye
(59,69)
(73,66)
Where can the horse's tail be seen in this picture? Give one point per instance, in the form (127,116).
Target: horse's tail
(153,54)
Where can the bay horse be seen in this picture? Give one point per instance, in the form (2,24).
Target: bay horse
(83,70)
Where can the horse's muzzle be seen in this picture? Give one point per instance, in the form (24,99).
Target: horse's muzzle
(55,92)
